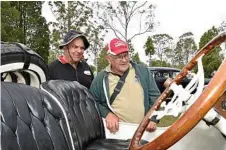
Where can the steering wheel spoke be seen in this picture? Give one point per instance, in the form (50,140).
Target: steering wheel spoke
(182,96)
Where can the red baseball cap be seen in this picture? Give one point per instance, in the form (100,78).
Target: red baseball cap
(117,46)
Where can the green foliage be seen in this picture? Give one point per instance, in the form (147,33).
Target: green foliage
(131,48)
(212,61)
(74,15)
(69,15)
(101,60)
(136,58)
(162,44)
(22,22)
(93,68)
(10,31)
(185,49)
(167,121)
(52,56)
(149,49)
(159,63)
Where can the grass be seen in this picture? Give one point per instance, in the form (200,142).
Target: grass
(167,121)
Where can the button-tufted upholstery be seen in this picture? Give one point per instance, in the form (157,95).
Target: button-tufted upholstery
(85,122)
(62,116)
(31,120)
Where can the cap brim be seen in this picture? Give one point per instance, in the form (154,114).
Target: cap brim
(86,43)
(120,51)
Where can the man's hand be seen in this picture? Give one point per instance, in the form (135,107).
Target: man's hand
(112,122)
(151,127)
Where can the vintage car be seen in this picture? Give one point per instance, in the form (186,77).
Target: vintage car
(63,115)
(161,74)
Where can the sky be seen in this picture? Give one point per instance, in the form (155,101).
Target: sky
(175,17)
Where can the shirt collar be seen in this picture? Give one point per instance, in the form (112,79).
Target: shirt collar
(62,59)
(108,68)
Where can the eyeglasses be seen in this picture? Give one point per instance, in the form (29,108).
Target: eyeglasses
(120,57)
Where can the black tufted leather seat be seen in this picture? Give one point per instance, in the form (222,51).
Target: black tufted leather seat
(31,120)
(86,123)
(62,116)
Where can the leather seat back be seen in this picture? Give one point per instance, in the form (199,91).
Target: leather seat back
(85,121)
(31,120)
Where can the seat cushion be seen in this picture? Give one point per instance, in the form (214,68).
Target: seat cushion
(111,144)
(31,120)
(85,121)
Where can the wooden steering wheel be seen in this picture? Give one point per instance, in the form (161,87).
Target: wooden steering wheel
(220,106)
(195,113)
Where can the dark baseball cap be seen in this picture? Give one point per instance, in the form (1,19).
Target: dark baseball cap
(71,35)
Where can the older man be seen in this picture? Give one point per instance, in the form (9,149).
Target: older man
(70,66)
(124,90)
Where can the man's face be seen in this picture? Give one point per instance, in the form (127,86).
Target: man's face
(75,50)
(119,63)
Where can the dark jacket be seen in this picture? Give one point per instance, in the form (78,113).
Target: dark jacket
(61,71)
(100,88)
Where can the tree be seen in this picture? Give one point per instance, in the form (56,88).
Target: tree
(101,60)
(158,63)
(93,68)
(52,56)
(120,17)
(162,44)
(40,41)
(185,49)
(95,48)
(149,49)
(10,32)
(69,15)
(23,22)
(76,15)
(136,58)
(221,29)
(222,26)
(211,61)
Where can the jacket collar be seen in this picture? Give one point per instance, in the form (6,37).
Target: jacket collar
(62,59)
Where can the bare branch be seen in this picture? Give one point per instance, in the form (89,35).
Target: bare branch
(133,7)
(131,12)
(54,13)
(140,33)
(120,21)
(138,7)
(148,29)
(111,27)
(140,22)
(120,15)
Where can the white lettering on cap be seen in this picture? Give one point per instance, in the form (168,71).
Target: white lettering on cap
(119,43)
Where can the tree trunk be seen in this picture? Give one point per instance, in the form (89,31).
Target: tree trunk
(68,15)
(24,24)
(96,64)
(150,63)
